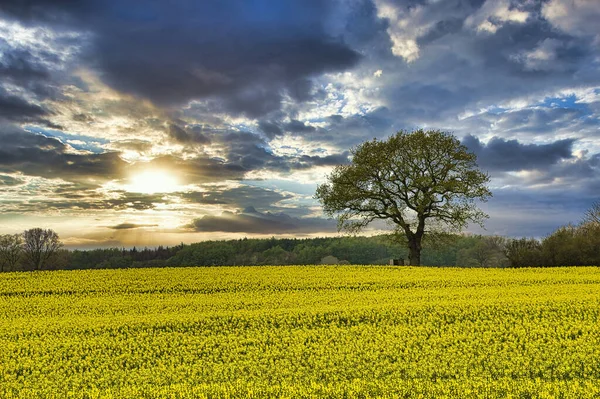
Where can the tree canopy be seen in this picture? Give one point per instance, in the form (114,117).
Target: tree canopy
(416,180)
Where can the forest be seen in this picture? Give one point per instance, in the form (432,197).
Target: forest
(571,245)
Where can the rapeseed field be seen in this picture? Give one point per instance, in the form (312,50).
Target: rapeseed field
(301,332)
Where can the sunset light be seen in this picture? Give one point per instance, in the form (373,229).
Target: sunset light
(152,182)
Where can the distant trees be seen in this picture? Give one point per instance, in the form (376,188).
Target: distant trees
(570,245)
(39,245)
(523,252)
(33,249)
(11,251)
(484,251)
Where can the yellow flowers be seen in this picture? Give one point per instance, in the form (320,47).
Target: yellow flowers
(301,332)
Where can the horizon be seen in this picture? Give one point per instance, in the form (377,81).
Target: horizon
(125,125)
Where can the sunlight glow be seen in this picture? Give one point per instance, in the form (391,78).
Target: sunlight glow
(152,182)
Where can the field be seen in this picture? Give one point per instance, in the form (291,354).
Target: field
(351,331)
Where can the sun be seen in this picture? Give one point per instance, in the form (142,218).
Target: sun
(152,182)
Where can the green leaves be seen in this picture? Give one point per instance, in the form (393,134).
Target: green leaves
(410,178)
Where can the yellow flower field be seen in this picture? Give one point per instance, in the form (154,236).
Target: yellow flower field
(301,331)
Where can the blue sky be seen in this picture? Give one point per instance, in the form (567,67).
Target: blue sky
(186,120)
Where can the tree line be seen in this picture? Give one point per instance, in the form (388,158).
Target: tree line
(30,250)
(570,245)
(455,250)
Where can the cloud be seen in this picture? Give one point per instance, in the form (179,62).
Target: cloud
(576,17)
(511,155)
(8,181)
(15,108)
(128,226)
(237,197)
(493,14)
(38,155)
(183,135)
(252,221)
(272,48)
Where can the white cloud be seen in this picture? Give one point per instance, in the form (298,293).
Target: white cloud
(492,16)
(576,17)
(50,48)
(405,26)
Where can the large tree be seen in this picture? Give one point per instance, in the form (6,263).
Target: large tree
(39,245)
(420,181)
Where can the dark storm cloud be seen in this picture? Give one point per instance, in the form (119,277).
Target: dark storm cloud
(296,126)
(246,54)
(20,66)
(128,226)
(25,81)
(238,197)
(274,128)
(183,135)
(252,221)
(37,155)
(511,155)
(14,108)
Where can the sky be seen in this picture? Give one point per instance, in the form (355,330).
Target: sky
(147,123)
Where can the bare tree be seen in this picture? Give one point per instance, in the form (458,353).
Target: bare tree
(10,251)
(593,214)
(39,246)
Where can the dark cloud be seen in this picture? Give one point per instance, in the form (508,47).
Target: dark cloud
(38,155)
(238,197)
(8,181)
(83,118)
(246,54)
(275,128)
(183,135)
(296,126)
(252,221)
(511,155)
(251,152)
(77,199)
(466,69)
(270,129)
(133,145)
(20,66)
(128,226)
(15,108)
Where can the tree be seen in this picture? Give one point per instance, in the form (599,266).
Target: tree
(485,251)
(593,214)
(523,252)
(39,245)
(419,181)
(10,251)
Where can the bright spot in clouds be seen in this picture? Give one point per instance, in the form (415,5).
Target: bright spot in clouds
(152,182)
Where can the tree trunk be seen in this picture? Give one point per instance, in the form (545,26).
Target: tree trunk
(414,252)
